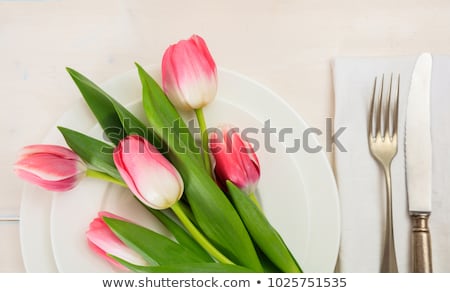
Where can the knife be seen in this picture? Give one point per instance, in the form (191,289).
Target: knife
(418,163)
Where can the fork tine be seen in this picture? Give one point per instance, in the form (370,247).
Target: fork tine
(380,106)
(372,110)
(395,130)
(387,113)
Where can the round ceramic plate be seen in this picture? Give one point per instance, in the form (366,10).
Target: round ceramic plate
(297,189)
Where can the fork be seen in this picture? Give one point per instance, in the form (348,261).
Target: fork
(383,147)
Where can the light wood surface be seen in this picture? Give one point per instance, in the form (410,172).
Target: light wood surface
(286,45)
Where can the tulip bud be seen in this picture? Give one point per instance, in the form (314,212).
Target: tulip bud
(235,160)
(52,167)
(189,74)
(105,243)
(148,174)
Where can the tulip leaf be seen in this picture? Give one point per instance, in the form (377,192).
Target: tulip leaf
(267,264)
(133,125)
(97,154)
(153,247)
(100,105)
(181,235)
(116,121)
(213,212)
(185,268)
(166,120)
(262,232)
(217,217)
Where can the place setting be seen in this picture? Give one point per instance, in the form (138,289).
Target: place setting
(173,168)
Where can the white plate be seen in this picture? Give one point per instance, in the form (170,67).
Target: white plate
(297,190)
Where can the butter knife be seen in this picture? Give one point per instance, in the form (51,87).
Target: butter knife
(418,163)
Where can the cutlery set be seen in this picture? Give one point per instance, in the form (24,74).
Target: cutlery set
(383,145)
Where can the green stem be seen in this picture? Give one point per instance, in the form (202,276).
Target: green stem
(103,176)
(204,138)
(198,236)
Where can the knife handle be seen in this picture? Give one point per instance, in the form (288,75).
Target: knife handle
(421,244)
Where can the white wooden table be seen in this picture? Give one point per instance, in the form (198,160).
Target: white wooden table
(286,45)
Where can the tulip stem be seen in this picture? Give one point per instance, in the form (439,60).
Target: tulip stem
(103,176)
(204,138)
(198,236)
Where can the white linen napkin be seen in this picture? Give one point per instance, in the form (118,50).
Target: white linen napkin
(361,180)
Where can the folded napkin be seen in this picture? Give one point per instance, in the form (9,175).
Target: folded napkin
(361,180)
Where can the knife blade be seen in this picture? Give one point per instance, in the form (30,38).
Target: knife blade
(418,157)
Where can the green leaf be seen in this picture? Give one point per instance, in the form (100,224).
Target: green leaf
(133,125)
(185,268)
(154,248)
(166,120)
(267,264)
(97,154)
(181,235)
(217,217)
(101,106)
(214,213)
(116,121)
(267,238)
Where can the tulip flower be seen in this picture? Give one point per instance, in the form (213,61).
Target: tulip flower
(235,160)
(148,174)
(105,243)
(189,74)
(189,78)
(52,167)
(156,183)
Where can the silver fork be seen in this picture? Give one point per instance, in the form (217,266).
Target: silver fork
(383,147)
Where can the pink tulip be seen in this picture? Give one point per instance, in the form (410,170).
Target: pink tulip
(105,243)
(189,74)
(148,174)
(235,160)
(52,167)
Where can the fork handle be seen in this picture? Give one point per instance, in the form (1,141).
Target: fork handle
(421,244)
